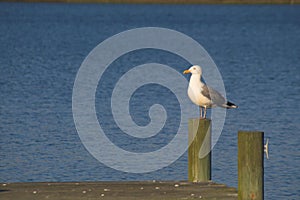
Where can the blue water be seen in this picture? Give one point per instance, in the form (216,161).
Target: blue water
(256,49)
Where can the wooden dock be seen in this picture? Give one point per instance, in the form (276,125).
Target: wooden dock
(198,186)
(139,190)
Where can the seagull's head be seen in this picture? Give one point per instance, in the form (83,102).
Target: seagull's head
(195,69)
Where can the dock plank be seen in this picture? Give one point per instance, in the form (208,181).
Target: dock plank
(132,190)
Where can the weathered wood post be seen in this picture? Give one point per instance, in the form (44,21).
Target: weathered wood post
(199,155)
(250,165)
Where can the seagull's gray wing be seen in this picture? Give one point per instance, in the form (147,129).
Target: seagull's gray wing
(215,96)
(205,92)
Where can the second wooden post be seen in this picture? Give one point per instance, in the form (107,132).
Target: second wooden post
(250,165)
(199,155)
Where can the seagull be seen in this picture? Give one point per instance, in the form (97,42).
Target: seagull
(203,95)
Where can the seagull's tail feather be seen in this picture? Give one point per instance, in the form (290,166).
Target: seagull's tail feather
(230,105)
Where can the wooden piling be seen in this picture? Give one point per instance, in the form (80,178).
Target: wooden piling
(250,165)
(199,163)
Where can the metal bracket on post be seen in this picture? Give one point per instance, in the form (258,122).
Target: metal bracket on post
(266,148)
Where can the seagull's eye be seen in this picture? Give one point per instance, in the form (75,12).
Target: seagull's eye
(194,68)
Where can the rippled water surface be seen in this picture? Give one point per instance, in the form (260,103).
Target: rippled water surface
(256,49)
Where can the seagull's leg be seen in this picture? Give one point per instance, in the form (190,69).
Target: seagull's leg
(200,112)
(204,112)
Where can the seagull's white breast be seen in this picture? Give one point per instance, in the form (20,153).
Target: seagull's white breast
(194,93)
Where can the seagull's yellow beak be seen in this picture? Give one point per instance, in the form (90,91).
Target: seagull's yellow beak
(186,71)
